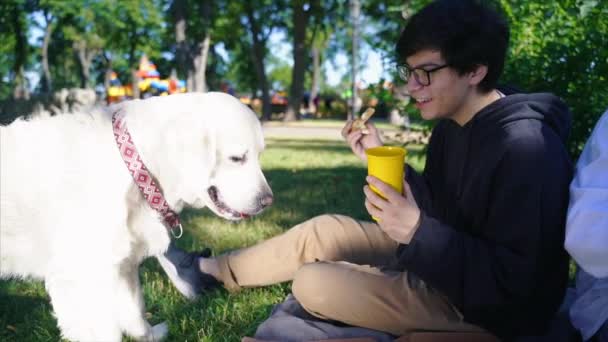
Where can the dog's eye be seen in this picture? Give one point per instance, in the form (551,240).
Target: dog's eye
(236,159)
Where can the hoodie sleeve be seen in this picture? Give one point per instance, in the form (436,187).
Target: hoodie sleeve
(587,223)
(484,273)
(419,183)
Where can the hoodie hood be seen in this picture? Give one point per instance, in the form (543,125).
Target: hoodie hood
(545,107)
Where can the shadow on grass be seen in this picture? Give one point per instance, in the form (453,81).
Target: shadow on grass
(25,317)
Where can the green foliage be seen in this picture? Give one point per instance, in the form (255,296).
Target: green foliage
(279,73)
(233,33)
(6,60)
(13,53)
(387,19)
(560,47)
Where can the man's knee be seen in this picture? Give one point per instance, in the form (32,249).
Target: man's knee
(313,285)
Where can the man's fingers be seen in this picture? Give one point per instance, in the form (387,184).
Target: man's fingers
(372,209)
(346,129)
(371,126)
(373,197)
(353,137)
(391,194)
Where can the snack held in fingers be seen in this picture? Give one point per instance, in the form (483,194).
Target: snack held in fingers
(360,123)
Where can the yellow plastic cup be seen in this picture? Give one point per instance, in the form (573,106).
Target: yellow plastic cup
(386,164)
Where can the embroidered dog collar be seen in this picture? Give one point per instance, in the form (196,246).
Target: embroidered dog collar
(145,181)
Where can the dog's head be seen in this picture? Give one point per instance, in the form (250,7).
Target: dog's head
(210,153)
(236,188)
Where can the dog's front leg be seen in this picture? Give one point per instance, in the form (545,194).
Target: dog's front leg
(131,308)
(82,305)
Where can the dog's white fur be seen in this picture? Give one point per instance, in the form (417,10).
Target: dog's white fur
(71,214)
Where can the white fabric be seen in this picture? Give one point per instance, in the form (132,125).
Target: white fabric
(587,223)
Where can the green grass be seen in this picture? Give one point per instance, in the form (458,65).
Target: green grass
(308,178)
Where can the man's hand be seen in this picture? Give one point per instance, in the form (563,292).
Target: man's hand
(360,142)
(398,215)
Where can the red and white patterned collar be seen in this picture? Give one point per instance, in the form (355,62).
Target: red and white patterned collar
(142,177)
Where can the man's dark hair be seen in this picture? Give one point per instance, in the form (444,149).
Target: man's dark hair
(466,34)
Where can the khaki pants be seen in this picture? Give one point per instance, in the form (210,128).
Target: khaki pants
(334,262)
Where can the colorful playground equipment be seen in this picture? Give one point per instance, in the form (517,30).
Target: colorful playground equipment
(149,84)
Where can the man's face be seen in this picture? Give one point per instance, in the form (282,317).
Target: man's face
(447,94)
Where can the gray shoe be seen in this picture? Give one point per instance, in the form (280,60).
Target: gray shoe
(183,270)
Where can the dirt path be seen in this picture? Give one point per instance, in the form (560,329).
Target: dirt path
(305,132)
(328,133)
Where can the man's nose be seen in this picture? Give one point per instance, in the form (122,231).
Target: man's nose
(413,85)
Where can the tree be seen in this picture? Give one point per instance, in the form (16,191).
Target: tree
(18,23)
(81,24)
(258,53)
(302,12)
(193,40)
(560,47)
(7,49)
(46,79)
(261,18)
(133,28)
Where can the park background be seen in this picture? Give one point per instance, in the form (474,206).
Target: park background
(277,56)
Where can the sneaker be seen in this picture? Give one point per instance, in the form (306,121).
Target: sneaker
(183,270)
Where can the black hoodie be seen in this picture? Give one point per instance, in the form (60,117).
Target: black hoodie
(493,196)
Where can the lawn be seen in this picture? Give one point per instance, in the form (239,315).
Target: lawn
(308,177)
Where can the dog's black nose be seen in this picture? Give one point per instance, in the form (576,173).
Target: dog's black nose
(266,200)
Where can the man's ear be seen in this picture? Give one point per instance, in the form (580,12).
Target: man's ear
(478,74)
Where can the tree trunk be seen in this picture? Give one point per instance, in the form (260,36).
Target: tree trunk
(20,91)
(106,79)
(85,58)
(182,50)
(316,76)
(355,8)
(135,84)
(108,74)
(132,34)
(200,65)
(300,20)
(258,56)
(201,54)
(47,82)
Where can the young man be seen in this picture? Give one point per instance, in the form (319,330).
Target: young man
(476,241)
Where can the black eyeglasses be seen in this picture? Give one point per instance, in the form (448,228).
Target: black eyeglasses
(422,76)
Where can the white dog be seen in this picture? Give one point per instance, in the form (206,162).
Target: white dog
(72,215)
